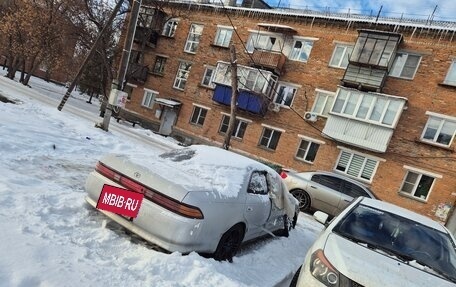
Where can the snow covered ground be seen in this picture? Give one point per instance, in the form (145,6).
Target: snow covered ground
(50,237)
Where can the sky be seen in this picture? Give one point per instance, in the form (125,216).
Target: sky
(51,237)
(423,9)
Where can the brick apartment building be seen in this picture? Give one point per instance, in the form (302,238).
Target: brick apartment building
(371,98)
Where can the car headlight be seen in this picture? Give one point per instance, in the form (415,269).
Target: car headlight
(322,270)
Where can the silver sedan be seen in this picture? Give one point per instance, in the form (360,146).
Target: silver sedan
(199,198)
(326,191)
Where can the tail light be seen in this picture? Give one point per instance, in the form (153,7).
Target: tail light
(283,174)
(156,197)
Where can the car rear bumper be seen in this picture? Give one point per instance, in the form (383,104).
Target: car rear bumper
(154,223)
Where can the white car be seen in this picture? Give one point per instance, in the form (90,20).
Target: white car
(377,244)
(199,198)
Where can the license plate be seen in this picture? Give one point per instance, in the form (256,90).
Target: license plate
(119,200)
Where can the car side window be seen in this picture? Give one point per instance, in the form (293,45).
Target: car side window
(330,182)
(258,183)
(353,190)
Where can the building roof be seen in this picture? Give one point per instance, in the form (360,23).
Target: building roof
(444,26)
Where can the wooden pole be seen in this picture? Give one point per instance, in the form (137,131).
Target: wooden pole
(234,97)
(88,56)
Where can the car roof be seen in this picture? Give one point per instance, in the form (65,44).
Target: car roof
(389,207)
(211,156)
(195,168)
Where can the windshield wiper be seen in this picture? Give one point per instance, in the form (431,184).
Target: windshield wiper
(403,257)
(435,270)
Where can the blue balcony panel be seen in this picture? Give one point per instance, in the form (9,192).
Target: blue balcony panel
(247,100)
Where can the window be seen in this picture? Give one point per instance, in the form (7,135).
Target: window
(146,16)
(159,65)
(223,36)
(417,184)
(323,102)
(340,56)
(356,165)
(300,50)
(307,150)
(270,138)
(368,107)
(251,80)
(208,77)
(450,78)
(169,30)
(328,181)
(193,39)
(198,115)
(268,42)
(439,129)
(405,65)
(148,99)
(182,75)
(353,190)
(285,94)
(239,127)
(258,183)
(136,57)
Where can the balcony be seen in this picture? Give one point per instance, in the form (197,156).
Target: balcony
(269,60)
(364,78)
(247,100)
(375,49)
(371,60)
(146,34)
(137,72)
(365,120)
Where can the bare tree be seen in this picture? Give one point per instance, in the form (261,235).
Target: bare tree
(35,33)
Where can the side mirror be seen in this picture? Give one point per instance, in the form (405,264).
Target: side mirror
(321,217)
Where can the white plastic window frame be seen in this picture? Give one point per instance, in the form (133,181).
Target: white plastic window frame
(420,174)
(327,98)
(347,49)
(223,36)
(444,119)
(149,98)
(401,67)
(450,78)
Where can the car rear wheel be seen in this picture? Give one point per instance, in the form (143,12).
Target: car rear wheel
(229,243)
(303,197)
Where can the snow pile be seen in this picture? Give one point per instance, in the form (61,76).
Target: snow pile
(51,237)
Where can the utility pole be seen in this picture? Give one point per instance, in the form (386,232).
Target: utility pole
(125,58)
(89,55)
(234,97)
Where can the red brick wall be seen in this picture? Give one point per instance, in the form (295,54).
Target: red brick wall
(423,93)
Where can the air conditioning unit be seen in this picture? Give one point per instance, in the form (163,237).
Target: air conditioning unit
(274,107)
(311,117)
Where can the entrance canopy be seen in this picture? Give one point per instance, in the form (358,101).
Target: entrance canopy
(167,102)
